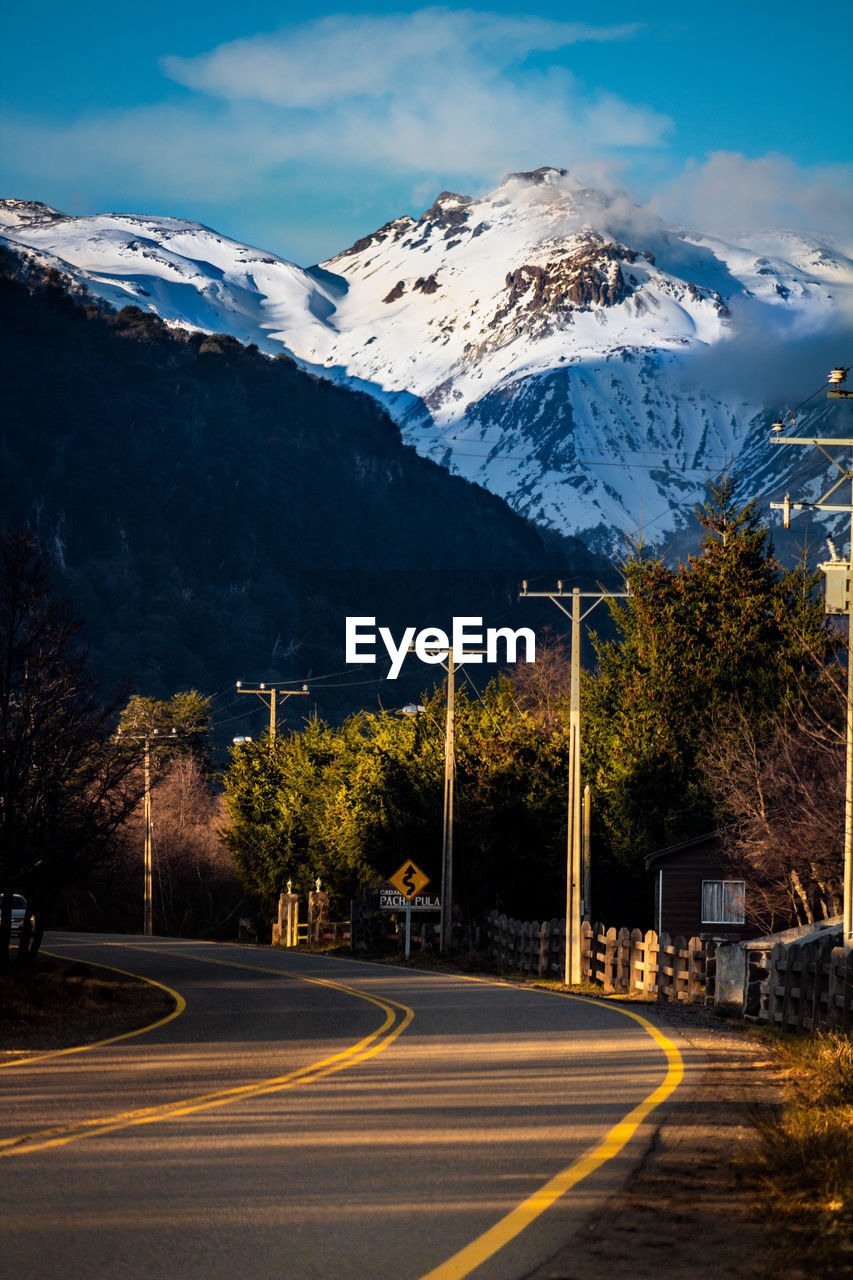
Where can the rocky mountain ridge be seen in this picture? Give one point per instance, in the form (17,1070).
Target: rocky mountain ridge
(556,344)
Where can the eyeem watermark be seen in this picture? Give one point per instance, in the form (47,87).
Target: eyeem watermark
(432,645)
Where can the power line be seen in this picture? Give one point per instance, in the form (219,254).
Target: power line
(561,462)
(439,437)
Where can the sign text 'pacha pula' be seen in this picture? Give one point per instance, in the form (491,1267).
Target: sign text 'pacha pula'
(468,640)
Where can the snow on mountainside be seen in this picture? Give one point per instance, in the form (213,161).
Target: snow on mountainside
(557,345)
(183,271)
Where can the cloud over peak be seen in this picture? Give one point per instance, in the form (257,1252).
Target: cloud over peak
(362,55)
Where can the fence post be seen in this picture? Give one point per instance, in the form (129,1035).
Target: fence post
(558,946)
(622,957)
(697,969)
(795,993)
(515,929)
(820,961)
(529,931)
(587,949)
(680,975)
(842,988)
(650,961)
(544,940)
(635,963)
(772,1005)
(609,959)
(666,972)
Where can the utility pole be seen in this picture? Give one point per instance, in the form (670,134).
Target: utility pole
(445,929)
(146,891)
(146,740)
(837,596)
(446,919)
(269,698)
(577,889)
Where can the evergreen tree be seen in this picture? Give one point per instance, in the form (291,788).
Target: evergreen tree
(350,803)
(729,633)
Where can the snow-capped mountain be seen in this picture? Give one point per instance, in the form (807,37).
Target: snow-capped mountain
(183,271)
(558,345)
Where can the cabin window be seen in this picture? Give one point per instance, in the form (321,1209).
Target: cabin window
(723,901)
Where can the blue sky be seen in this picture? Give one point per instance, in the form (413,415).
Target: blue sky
(300,131)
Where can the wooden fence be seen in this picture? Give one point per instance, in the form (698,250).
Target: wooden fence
(808,987)
(619,961)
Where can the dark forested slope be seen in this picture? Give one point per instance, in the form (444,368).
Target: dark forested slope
(214,513)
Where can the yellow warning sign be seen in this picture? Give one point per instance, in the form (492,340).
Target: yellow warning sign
(409,880)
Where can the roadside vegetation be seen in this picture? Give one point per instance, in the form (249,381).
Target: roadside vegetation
(804,1159)
(57,1004)
(716,703)
(73,773)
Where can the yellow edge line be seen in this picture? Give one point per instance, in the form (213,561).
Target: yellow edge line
(488,1244)
(180,1005)
(359,1052)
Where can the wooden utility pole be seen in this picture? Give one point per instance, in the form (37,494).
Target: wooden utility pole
(269,697)
(146,893)
(586,847)
(152,738)
(577,892)
(445,929)
(838,601)
(574,861)
(446,925)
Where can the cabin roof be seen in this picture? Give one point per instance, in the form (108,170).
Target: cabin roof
(657,854)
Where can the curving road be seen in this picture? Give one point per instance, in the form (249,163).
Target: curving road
(315,1118)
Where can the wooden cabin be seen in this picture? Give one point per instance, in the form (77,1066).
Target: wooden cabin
(695,893)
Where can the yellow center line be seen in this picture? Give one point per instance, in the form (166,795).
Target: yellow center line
(513,1223)
(478,1251)
(392,1026)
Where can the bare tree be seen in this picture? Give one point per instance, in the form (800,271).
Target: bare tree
(784,795)
(542,688)
(64,789)
(196,888)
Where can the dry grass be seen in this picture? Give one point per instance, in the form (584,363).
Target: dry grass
(804,1160)
(56,1003)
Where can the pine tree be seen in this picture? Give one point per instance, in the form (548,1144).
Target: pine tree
(729,633)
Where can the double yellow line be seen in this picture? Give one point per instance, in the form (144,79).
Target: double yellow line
(397,1018)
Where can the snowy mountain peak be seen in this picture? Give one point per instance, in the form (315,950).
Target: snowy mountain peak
(27,213)
(554,343)
(546,175)
(184,271)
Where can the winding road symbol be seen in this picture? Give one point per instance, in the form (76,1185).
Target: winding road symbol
(409,880)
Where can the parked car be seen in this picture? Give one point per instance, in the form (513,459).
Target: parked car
(19,912)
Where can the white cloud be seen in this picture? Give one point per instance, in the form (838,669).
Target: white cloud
(335,59)
(344,104)
(433,90)
(729,192)
(350,120)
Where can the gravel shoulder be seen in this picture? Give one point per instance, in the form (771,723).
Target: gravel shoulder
(690,1211)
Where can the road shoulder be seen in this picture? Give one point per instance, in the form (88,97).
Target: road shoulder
(689,1209)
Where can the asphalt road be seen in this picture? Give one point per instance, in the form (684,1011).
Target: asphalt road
(313,1118)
